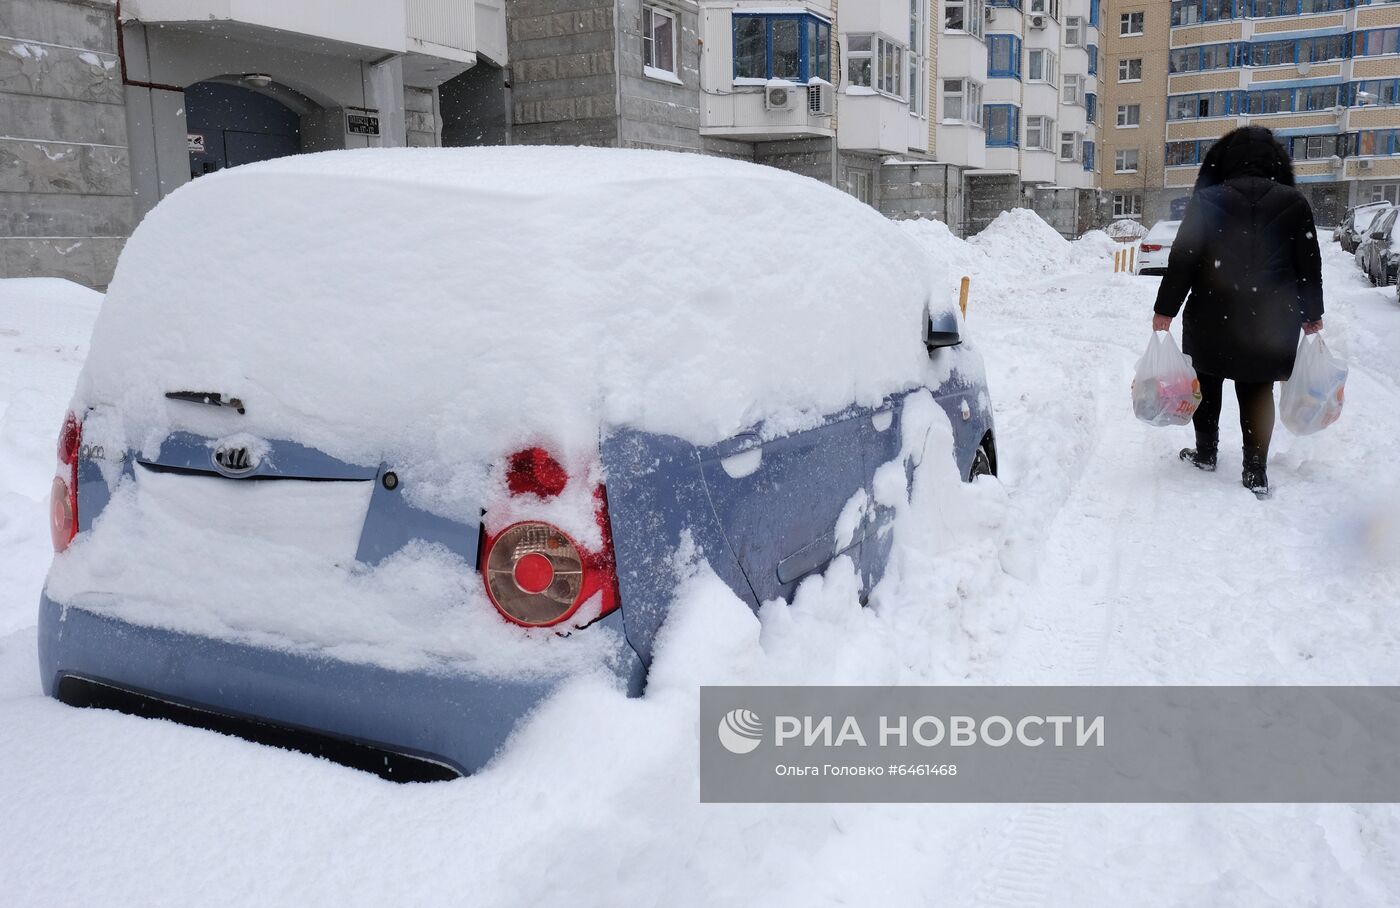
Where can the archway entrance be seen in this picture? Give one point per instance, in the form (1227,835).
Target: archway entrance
(230,124)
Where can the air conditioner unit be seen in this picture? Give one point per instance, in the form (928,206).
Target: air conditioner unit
(1038,22)
(989,13)
(1364,165)
(821,98)
(780,94)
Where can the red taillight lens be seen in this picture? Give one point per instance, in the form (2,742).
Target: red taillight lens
(1151,247)
(534,472)
(63,494)
(535,574)
(69,438)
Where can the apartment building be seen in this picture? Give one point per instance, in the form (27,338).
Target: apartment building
(107,106)
(1020,111)
(1324,75)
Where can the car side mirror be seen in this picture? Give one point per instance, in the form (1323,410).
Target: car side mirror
(940,330)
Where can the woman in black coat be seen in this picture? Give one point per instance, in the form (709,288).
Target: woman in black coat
(1247,255)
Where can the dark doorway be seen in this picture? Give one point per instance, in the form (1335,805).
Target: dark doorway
(230,125)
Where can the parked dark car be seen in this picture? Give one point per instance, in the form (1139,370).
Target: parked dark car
(1353,228)
(1378,255)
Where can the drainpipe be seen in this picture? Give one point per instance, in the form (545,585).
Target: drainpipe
(121,57)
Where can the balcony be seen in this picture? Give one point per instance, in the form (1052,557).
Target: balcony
(437,38)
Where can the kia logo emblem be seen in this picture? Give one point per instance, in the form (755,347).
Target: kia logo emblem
(233,461)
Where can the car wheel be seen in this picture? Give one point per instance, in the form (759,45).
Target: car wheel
(981,464)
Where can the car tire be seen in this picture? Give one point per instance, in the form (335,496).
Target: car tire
(981,464)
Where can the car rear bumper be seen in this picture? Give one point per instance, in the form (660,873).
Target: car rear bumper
(454,721)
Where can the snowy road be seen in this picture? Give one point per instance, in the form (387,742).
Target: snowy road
(1098,558)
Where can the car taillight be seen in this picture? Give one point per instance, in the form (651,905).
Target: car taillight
(1151,247)
(63,494)
(535,574)
(533,471)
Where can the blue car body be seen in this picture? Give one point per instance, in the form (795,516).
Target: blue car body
(761,532)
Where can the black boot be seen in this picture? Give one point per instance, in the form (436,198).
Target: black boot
(1202,456)
(1254,477)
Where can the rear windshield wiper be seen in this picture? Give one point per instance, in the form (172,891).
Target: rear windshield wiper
(212,398)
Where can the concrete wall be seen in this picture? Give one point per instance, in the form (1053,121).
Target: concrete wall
(564,85)
(989,195)
(656,113)
(923,190)
(65,178)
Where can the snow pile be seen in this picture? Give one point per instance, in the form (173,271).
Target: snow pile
(1021,242)
(1126,229)
(1094,249)
(44,328)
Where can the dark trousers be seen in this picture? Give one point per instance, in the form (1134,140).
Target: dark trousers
(1256,412)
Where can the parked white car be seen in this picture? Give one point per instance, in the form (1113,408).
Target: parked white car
(1156,247)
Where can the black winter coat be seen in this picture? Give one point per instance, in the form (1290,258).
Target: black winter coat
(1247,253)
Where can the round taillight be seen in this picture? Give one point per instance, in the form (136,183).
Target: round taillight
(63,516)
(534,574)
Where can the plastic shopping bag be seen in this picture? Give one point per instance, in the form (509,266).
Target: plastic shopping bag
(1312,397)
(1165,389)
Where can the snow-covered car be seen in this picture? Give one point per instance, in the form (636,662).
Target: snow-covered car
(1378,254)
(1354,225)
(1156,247)
(374,448)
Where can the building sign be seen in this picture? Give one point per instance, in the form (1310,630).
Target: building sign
(194,141)
(361,121)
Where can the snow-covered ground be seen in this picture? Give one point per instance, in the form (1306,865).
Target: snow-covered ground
(1097,558)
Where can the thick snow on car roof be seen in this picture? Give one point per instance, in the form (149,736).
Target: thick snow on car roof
(1163,230)
(442,307)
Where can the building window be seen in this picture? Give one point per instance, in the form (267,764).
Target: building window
(875,63)
(1127,204)
(1072,92)
(964,16)
(1088,157)
(1374,92)
(858,184)
(1003,124)
(1380,41)
(1130,69)
(1049,8)
(1093,50)
(1130,25)
(1386,192)
(1179,154)
(1071,146)
(1003,57)
(1040,65)
(1373,142)
(1214,104)
(659,43)
(962,101)
(1311,148)
(917,58)
(1040,133)
(1190,12)
(1125,160)
(1091,107)
(1207,57)
(1074,31)
(793,47)
(1129,115)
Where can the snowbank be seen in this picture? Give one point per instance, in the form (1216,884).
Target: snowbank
(1023,243)
(45,324)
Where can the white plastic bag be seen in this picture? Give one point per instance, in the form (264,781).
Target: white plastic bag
(1165,389)
(1312,397)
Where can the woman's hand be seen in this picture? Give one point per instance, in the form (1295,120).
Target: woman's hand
(1163,322)
(1312,327)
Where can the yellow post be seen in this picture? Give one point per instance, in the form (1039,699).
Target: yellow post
(962,295)
(1132,258)
(1117,260)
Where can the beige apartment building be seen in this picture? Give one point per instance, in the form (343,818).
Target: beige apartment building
(1323,74)
(1136,37)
